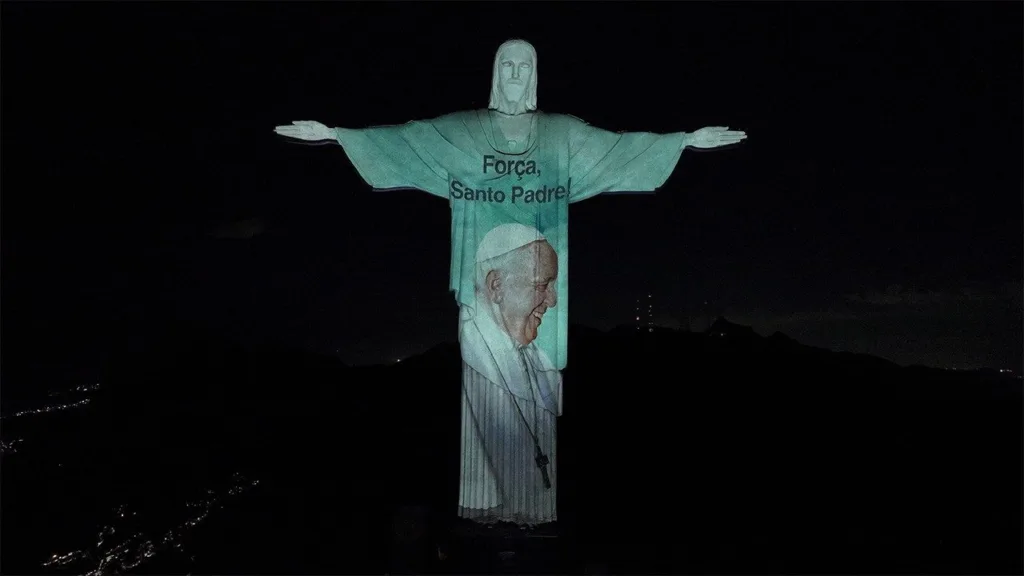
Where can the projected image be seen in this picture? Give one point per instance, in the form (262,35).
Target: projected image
(516,274)
(511,388)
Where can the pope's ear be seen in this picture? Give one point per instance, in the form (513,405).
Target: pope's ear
(493,283)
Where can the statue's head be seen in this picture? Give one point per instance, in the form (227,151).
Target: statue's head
(514,82)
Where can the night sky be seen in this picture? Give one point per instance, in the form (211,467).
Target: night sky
(875,207)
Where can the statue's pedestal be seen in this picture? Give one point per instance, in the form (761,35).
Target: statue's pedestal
(410,543)
(505,549)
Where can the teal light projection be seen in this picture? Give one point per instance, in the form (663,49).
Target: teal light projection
(509,174)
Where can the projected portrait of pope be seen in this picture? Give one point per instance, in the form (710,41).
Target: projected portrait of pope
(516,288)
(511,386)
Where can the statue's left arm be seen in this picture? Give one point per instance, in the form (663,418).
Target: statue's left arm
(603,161)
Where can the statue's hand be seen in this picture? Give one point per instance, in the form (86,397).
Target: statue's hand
(306,130)
(715,136)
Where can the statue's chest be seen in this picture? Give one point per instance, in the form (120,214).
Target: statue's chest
(513,134)
(497,179)
(520,153)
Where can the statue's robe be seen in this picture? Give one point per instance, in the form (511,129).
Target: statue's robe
(489,181)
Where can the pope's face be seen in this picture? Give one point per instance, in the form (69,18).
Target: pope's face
(515,66)
(527,291)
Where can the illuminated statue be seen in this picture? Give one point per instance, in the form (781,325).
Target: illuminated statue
(509,173)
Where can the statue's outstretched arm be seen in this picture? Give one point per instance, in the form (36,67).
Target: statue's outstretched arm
(387,157)
(307,130)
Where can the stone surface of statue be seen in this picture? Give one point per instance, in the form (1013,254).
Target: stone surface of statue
(509,173)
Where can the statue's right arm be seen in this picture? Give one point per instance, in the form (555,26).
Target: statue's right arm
(387,157)
(307,130)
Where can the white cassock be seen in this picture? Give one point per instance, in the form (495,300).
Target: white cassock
(499,477)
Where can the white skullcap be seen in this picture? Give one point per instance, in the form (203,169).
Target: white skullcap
(506,238)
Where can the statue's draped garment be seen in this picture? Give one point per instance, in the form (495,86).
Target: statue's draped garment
(511,393)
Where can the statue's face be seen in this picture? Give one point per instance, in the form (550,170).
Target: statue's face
(527,290)
(515,66)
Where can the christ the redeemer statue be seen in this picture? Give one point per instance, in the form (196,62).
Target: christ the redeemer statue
(509,174)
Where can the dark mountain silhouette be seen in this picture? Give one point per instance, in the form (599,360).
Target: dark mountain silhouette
(713,452)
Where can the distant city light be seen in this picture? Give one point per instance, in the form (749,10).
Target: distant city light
(81,388)
(108,556)
(10,447)
(645,318)
(44,410)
